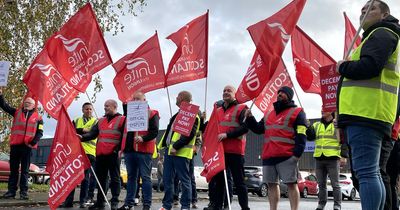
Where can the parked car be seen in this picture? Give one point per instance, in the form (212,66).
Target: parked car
(201,182)
(5,166)
(253,178)
(346,186)
(306,182)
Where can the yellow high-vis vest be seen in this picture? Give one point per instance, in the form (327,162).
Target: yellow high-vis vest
(326,142)
(88,146)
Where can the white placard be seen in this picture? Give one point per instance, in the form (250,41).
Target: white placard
(4,70)
(138,116)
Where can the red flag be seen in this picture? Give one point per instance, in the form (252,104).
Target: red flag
(269,94)
(212,151)
(270,37)
(190,61)
(141,70)
(46,83)
(349,35)
(78,49)
(67,161)
(308,56)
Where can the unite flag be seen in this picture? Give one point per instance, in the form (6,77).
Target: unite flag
(350,32)
(67,161)
(142,70)
(190,60)
(270,37)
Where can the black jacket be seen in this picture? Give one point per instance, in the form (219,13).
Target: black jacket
(374,54)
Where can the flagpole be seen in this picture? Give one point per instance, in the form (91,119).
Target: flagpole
(227,190)
(95,113)
(169,102)
(251,106)
(101,189)
(205,97)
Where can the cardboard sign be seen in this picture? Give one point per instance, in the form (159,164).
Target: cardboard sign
(185,119)
(4,70)
(138,116)
(329,83)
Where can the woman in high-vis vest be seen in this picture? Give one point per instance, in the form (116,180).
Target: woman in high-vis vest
(367,101)
(26,131)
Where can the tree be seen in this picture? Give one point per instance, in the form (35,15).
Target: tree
(26,24)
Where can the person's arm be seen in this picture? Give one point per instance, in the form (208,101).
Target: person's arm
(153,128)
(184,140)
(78,130)
(7,108)
(92,134)
(374,54)
(241,130)
(311,133)
(253,125)
(125,108)
(300,127)
(38,134)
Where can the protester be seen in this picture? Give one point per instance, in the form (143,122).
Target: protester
(368,98)
(160,169)
(179,151)
(26,131)
(83,125)
(108,131)
(233,136)
(138,148)
(284,131)
(327,156)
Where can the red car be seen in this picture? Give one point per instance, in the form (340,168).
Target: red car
(5,166)
(306,182)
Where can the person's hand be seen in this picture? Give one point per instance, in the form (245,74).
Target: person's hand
(343,161)
(138,139)
(79,136)
(335,123)
(86,130)
(338,65)
(222,136)
(248,113)
(172,151)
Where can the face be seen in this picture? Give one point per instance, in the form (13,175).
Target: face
(326,115)
(138,96)
(229,94)
(29,104)
(282,96)
(87,110)
(179,99)
(375,15)
(109,108)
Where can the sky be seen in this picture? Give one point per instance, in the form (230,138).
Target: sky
(230,47)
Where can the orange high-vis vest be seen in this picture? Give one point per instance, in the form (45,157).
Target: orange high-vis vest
(23,130)
(109,135)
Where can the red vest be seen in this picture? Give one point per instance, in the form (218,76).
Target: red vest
(279,133)
(109,135)
(395,130)
(229,120)
(23,131)
(144,147)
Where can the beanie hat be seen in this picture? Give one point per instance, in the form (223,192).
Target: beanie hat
(288,91)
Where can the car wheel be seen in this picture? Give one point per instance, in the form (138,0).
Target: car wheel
(31,180)
(352,195)
(304,194)
(263,191)
(47,181)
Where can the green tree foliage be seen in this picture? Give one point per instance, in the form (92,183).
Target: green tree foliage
(26,24)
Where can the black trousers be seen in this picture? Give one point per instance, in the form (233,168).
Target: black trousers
(19,155)
(235,164)
(108,164)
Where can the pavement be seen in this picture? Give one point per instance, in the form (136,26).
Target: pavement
(40,198)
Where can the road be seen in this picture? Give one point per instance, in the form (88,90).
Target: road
(255,203)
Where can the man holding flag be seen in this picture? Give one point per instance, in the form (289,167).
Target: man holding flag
(284,131)
(26,131)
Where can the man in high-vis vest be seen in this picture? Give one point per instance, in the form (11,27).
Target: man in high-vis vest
(284,130)
(138,148)
(177,154)
(108,131)
(233,137)
(327,156)
(26,131)
(368,94)
(83,125)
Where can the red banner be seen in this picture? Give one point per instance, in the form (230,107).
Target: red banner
(46,83)
(78,49)
(270,37)
(190,61)
(67,161)
(141,70)
(185,119)
(212,151)
(269,94)
(308,57)
(350,32)
(329,83)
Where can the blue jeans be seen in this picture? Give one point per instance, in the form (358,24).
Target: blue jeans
(138,165)
(180,166)
(365,144)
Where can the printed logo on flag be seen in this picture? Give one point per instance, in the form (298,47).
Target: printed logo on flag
(284,35)
(45,69)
